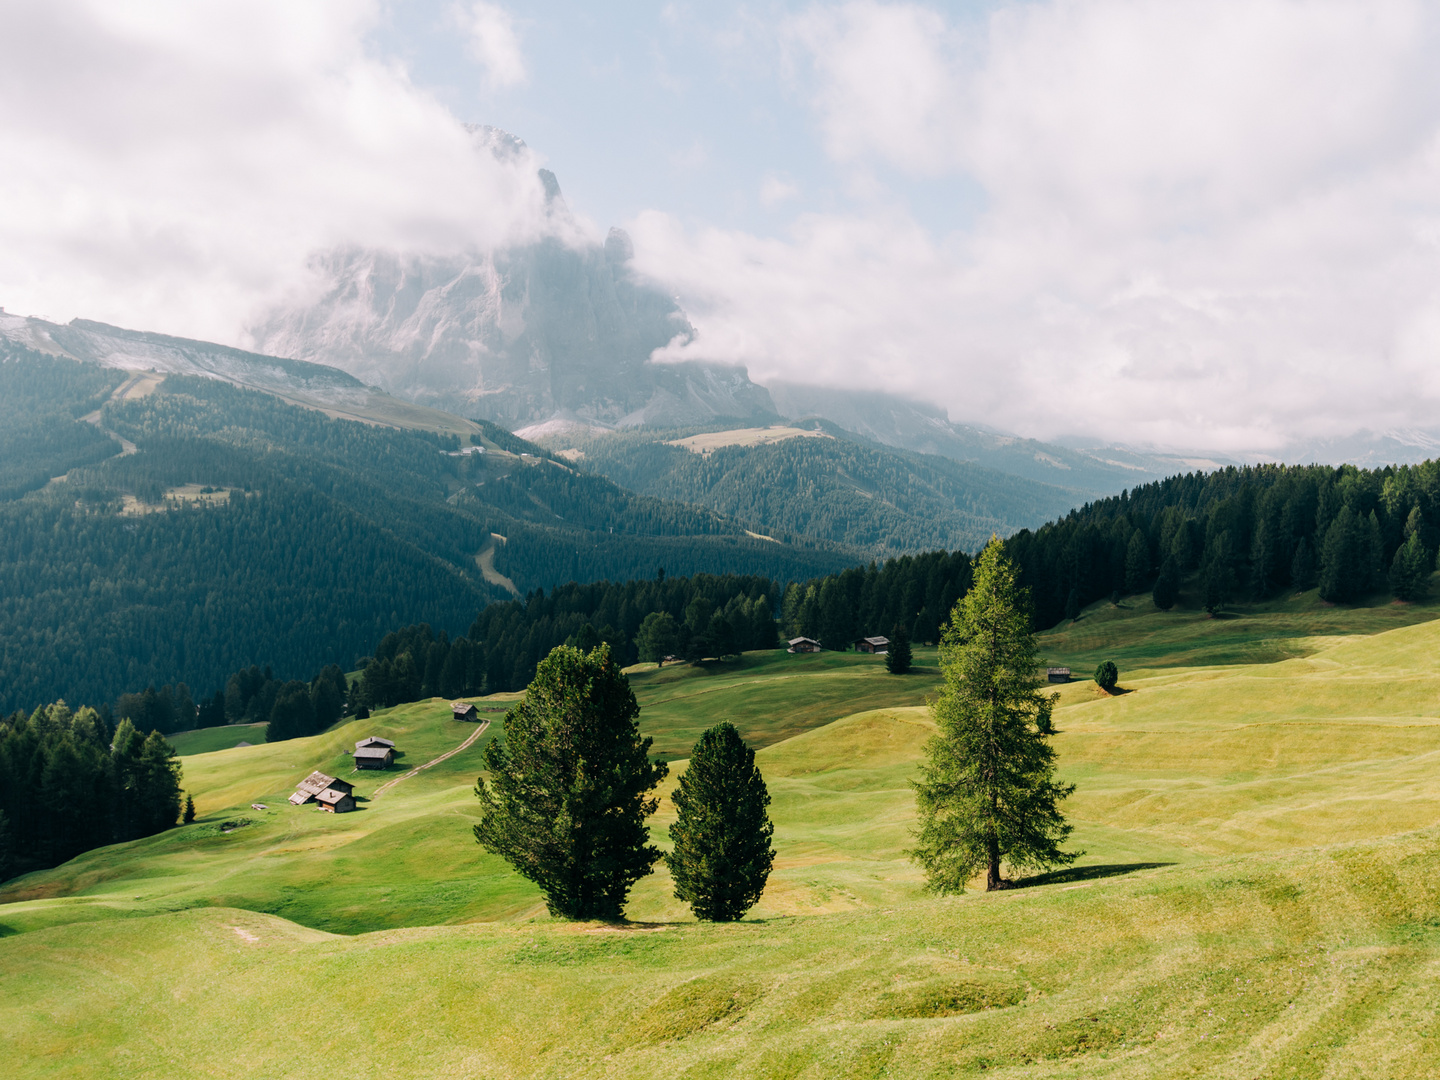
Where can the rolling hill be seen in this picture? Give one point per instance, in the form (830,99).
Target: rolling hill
(1257,896)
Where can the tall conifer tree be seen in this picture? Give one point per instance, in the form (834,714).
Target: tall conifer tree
(987,795)
(722,854)
(569,786)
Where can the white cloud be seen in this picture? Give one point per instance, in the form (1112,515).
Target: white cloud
(493,42)
(172,165)
(775,190)
(1207,221)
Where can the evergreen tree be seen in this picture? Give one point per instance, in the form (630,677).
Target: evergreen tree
(1167,585)
(1343,573)
(293,714)
(189,814)
(1410,570)
(1137,563)
(659,637)
(1107,675)
(987,793)
(584,639)
(327,696)
(1302,567)
(569,787)
(1072,605)
(6,852)
(157,787)
(898,658)
(722,856)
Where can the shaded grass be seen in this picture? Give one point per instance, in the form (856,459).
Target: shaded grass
(208,740)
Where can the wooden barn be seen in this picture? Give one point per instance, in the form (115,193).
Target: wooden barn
(803,644)
(374,753)
(1057,674)
(317,784)
(463,710)
(336,802)
(872,644)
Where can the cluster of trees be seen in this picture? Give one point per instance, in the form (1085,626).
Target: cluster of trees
(1241,533)
(584,841)
(916,592)
(69,783)
(167,710)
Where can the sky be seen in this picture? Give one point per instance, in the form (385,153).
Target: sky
(1198,223)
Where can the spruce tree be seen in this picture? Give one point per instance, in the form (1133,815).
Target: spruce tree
(1343,572)
(189,814)
(898,657)
(722,855)
(1410,570)
(1137,563)
(569,786)
(1302,567)
(1072,605)
(987,795)
(659,637)
(1167,585)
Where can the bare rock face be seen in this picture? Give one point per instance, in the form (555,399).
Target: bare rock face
(517,336)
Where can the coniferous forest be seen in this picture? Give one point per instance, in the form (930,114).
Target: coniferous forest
(245,530)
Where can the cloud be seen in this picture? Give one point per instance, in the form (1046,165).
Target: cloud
(493,42)
(775,190)
(173,166)
(1209,223)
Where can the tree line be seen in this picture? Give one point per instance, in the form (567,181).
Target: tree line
(69,783)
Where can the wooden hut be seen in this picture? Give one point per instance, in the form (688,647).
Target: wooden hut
(309,789)
(463,710)
(336,802)
(1057,674)
(374,753)
(803,644)
(872,644)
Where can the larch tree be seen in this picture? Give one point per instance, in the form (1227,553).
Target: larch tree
(570,785)
(987,795)
(722,856)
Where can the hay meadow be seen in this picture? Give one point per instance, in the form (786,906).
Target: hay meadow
(1260,896)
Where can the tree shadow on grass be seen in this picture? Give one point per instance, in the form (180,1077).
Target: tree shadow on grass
(1087,873)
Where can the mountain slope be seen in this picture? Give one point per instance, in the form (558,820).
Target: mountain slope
(819,482)
(226,527)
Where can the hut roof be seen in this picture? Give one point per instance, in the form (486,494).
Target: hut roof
(367,753)
(330,796)
(313,784)
(462,708)
(799,640)
(876,640)
(374,740)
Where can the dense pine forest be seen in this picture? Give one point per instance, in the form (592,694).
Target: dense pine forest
(69,782)
(243,529)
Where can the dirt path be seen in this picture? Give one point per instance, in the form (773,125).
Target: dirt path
(434,761)
(485,560)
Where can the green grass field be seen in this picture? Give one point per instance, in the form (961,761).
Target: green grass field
(1259,894)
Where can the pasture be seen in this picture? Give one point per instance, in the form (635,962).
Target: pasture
(1259,894)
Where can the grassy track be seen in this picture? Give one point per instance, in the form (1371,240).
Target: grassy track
(1259,896)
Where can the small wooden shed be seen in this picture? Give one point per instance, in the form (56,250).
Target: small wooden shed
(374,753)
(872,644)
(463,710)
(1057,674)
(336,802)
(309,789)
(803,644)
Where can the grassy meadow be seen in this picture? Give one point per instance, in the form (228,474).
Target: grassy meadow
(1259,895)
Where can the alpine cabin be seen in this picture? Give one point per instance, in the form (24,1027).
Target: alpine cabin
(872,644)
(803,644)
